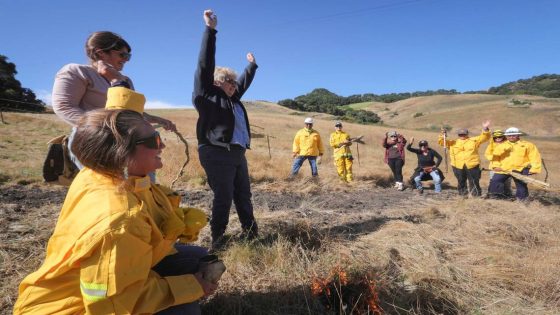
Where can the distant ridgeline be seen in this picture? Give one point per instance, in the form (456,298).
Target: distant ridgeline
(547,85)
(14,97)
(325,101)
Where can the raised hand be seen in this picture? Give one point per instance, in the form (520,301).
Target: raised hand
(412,140)
(251,57)
(486,125)
(210,19)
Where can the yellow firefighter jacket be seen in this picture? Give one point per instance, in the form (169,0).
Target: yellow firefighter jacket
(515,156)
(489,154)
(307,142)
(335,140)
(106,240)
(465,152)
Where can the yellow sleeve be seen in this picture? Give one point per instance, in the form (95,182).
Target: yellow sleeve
(535,160)
(488,154)
(116,278)
(295,147)
(332,141)
(500,149)
(483,137)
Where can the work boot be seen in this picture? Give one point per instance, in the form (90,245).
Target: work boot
(400,186)
(218,244)
(420,191)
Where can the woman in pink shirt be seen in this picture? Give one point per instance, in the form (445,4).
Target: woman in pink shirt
(81,88)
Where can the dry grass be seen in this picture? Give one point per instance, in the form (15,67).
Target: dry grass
(468,111)
(428,254)
(23,144)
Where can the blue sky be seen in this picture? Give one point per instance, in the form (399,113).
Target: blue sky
(349,47)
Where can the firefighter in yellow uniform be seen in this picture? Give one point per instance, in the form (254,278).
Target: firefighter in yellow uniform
(497,138)
(514,155)
(340,142)
(114,249)
(307,145)
(465,160)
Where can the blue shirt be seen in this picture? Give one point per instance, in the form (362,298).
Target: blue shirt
(240,132)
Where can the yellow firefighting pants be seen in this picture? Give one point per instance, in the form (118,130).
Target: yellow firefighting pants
(344,168)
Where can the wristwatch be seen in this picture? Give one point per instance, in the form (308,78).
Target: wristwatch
(120,82)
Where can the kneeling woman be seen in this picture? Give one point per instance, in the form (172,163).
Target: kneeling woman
(114,250)
(427,168)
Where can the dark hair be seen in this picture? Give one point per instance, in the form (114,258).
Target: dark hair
(104,41)
(105,139)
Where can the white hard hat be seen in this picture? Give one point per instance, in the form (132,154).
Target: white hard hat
(308,120)
(512,131)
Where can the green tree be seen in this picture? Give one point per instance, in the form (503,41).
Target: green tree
(12,95)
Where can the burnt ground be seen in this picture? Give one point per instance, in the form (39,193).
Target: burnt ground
(28,214)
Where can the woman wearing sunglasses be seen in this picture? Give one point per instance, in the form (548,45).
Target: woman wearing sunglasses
(81,88)
(114,249)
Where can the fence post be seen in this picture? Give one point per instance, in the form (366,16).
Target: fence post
(2,116)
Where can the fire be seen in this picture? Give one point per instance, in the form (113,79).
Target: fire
(338,292)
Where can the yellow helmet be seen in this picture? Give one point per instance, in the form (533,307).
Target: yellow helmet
(497,133)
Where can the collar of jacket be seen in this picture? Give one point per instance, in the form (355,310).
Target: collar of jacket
(139,184)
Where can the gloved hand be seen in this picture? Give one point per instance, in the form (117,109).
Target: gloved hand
(195,220)
(319,159)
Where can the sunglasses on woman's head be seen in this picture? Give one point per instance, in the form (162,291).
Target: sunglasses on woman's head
(152,142)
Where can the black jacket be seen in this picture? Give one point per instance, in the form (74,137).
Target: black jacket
(216,119)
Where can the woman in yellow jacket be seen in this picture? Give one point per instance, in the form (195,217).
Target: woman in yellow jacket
(465,160)
(113,250)
(307,146)
(514,155)
(340,142)
(497,138)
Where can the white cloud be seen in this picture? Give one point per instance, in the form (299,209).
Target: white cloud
(45,96)
(155,104)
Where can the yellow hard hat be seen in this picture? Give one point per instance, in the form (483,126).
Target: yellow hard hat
(122,98)
(497,133)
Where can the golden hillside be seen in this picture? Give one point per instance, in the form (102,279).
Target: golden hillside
(541,118)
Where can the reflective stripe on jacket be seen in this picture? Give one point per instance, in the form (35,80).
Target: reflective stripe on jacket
(99,258)
(335,140)
(307,142)
(465,152)
(515,156)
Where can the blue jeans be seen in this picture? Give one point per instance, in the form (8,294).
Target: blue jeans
(435,177)
(185,261)
(298,162)
(228,177)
